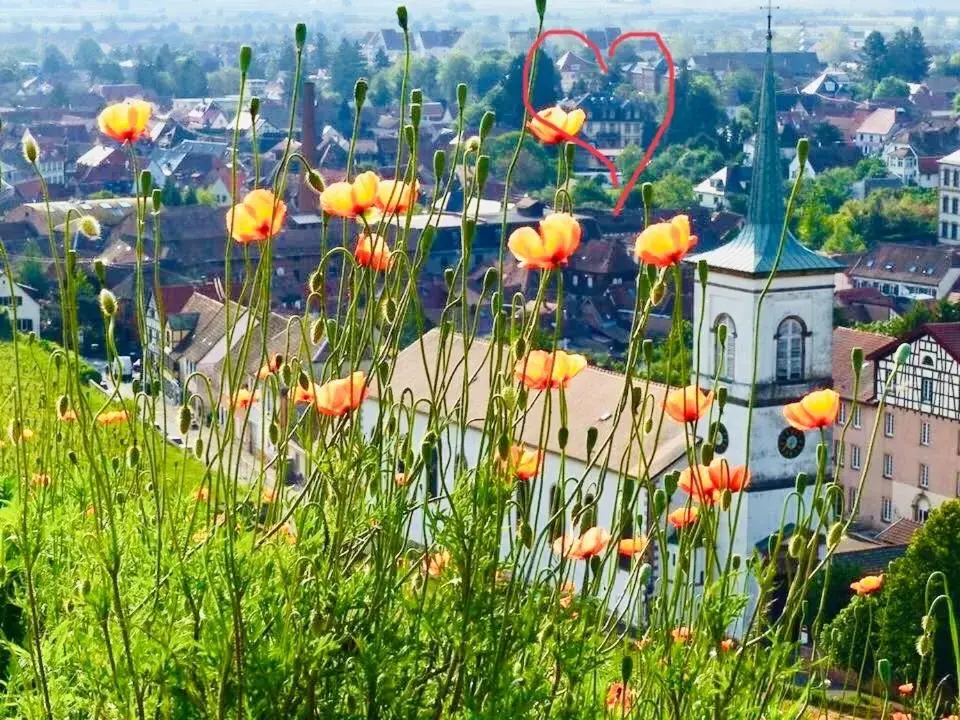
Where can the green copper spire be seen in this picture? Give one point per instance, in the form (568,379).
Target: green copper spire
(754,250)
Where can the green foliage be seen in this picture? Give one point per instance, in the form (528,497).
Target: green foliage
(674,192)
(934,548)
(535,168)
(347,65)
(742,85)
(87,54)
(505,98)
(906,56)
(454,69)
(672,360)
(590,192)
(31,272)
(873,57)
(917,314)
(850,639)
(838,594)
(697,109)
(870,167)
(891,87)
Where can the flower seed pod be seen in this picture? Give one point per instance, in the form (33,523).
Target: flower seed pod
(184,419)
(360,92)
(246,56)
(300,35)
(315,181)
(133,457)
(835,535)
(198,448)
(31,150)
(89,227)
(402,17)
(108,303)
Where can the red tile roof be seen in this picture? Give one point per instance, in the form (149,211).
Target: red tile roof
(900,533)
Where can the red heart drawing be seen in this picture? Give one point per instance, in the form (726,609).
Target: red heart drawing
(664,124)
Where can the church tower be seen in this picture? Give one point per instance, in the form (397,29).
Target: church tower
(794,341)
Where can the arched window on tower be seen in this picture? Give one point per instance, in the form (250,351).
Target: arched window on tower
(724,358)
(790,350)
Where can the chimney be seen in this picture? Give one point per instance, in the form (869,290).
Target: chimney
(307,198)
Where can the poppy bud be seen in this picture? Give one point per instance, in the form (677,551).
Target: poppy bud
(315,181)
(646,193)
(108,302)
(706,453)
(360,92)
(569,151)
(659,291)
(146,182)
(722,393)
(72,457)
(185,417)
(410,135)
(541,8)
(274,433)
(803,150)
(670,482)
(156,199)
(503,446)
(71,262)
(300,35)
(415,110)
(89,227)
(509,396)
(155,388)
(315,282)
(486,124)
(316,332)
(303,380)
(735,561)
(596,564)
(563,434)
(626,668)
(461,95)
(903,354)
(254,107)
(59,436)
(647,350)
(520,347)
(927,623)
(14,431)
(722,333)
(483,169)
(58,359)
(31,151)
(246,55)
(115,463)
(286,375)
(856,359)
(883,670)
(659,502)
(416,96)
(448,277)
(795,546)
(801,484)
(592,434)
(703,270)
(133,456)
(402,17)
(439,163)
(726,498)
(198,448)
(489,277)
(924,645)
(63,404)
(526,535)
(821,454)
(835,535)
(469,231)
(472,145)
(648,426)
(331,330)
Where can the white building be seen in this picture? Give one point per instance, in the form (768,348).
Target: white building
(28,309)
(949,201)
(595,482)
(795,323)
(876,130)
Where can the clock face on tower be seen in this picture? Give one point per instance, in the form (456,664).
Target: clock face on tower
(718,431)
(790,443)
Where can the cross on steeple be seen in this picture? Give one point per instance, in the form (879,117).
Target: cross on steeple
(770,8)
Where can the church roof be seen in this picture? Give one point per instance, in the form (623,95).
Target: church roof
(754,250)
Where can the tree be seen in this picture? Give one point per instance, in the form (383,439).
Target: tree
(891,87)
(674,192)
(505,99)
(423,75)
(590,192)
(381,93)
(102,195)
(534,168)
(189,78)
(487,73)
(834,48)
(321,51)
(380,60)
(189,196)
(742,85)
(870,167)
(224,81)
(204,196)
(907,55)
(87,55)
(170,195)
(347,66)
(30,272)
(109,72)
(455,69)
(934,548)
(54,61)
(850,639)
(873,57)
(825,134)
(697,110)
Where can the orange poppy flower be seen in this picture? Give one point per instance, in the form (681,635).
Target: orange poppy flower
(244,399)
(697,483)
(665,244)
(817,409)
(550,246)
(723,477)
(523,464)
(570,122)
(728,644)
(259,217)
(288,534)
(26,434)
(542,370)
(268,495)
(201,494)
(372,253)
(305,396)
(396,196)
(681,634)
(91,510)
(567,591)
(112,417)
(400,479)
(40,480)
(867,585)
(436,563)
(630,547)
(901,716)
(593,542)
(338,397)
(271,366)
(687,404)
(906,689)
(682,517)
(349,199)
(70,416)
(125,121)
(619,699)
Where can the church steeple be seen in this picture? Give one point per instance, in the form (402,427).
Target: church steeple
(754,250)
